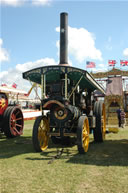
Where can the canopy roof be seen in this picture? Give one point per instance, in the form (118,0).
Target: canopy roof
(54,73)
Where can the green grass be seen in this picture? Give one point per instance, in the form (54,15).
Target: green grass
(104,169)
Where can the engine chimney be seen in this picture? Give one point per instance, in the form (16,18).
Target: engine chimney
(64,39)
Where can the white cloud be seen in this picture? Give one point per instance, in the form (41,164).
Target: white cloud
(81,44)
(30,65)
(125,52)
(15,74)
(3,74)
(100,68)
(13,3)
(41,2)
(4,56)
(16,3)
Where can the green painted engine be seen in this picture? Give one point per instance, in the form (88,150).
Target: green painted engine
(69,109)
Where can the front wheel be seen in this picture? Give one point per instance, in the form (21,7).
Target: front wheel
(40,135)
(83,134)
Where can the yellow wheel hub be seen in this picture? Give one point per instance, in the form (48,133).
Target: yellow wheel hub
(43,136)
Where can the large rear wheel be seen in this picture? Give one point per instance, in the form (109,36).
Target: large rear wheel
(83,134)
(13,122)
(100,129)
(40,135)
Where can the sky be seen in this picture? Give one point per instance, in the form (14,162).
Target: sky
(29,35)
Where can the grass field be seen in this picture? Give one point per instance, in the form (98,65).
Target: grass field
(104,169)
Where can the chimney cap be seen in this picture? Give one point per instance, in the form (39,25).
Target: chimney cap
(64,13)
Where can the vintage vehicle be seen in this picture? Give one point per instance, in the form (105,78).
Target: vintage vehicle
(11,117)
(67,95)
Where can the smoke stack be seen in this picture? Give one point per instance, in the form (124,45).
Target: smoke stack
(64,39)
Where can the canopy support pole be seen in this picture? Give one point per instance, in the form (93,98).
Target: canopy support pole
(66,86)
(76,86)
(42,87)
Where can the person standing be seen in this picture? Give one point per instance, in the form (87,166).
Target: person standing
(122,115)
(119,116)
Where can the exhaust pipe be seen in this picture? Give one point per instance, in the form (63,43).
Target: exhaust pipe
(64,39)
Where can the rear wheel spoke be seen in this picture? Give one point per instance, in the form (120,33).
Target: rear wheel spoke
(18,125)
(17,119)
(17,132)
(17,113)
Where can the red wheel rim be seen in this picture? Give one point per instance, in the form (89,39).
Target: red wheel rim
(16,122)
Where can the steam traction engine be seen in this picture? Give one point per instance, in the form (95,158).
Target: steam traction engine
(11,117)
(67,96)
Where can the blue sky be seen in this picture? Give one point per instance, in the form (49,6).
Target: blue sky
(29,34)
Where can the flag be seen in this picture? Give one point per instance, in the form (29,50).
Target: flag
(90,64)
(4,84)
(14,85)
(111,62)
(124,62)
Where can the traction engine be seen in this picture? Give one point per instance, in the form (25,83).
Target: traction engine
(67,95)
